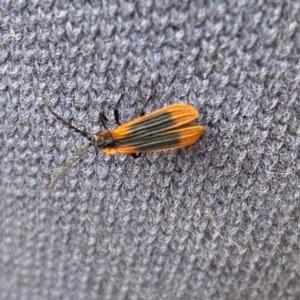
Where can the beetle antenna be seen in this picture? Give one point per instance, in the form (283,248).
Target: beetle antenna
(66,166)
(65,122)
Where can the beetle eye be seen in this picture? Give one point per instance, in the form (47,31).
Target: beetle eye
(91,138)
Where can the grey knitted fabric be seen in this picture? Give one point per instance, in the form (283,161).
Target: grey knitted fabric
(216,220)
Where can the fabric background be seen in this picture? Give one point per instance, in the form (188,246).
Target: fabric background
(216,220)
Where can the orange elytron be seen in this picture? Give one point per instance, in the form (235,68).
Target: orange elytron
(164,129)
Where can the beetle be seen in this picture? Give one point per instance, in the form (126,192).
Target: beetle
(164,129)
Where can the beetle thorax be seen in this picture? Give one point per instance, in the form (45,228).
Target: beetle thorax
(102,141)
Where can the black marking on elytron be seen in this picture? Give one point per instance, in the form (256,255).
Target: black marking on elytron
(151,125)
(144,132)
(153,142)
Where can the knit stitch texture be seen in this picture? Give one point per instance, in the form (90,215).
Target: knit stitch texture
(216,220)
